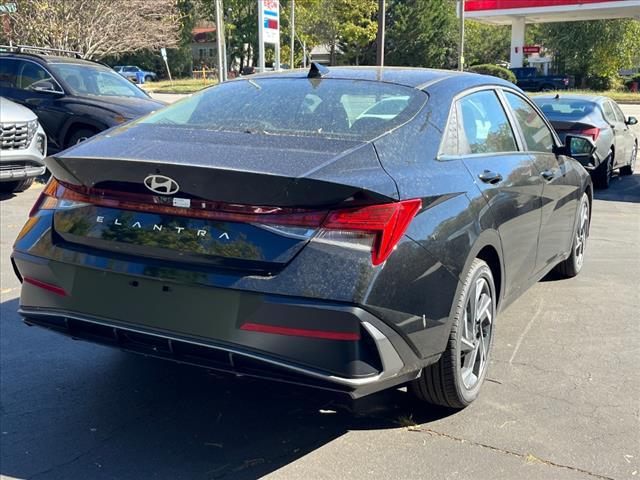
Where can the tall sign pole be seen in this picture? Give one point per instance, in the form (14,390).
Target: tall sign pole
(293,33)
(261,63)
(268,30)
(219,41)
(380,39)
(461,45)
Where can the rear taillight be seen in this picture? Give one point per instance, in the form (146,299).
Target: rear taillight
(383,224)
(591,132)
(378,228)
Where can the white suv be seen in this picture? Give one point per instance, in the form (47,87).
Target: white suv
(23,144)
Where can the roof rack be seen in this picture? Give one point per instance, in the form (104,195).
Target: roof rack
(30,48)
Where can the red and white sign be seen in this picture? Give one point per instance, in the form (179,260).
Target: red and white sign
(270,24)
(529,49)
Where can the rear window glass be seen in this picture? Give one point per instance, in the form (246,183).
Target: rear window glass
(565,107)
(357,109)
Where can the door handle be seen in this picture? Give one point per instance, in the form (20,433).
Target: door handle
(548,175)
(490,177)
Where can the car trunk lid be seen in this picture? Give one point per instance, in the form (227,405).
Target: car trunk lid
(250,202)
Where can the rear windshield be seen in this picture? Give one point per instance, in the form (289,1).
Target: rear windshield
(327,107)
(565,108)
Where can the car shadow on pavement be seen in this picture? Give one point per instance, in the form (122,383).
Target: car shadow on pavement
(6,196)
(76,410)
(621,189)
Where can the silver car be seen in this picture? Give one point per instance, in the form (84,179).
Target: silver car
(23,144)
(601,119)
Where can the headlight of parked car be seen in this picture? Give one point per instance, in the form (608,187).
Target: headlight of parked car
(32,128)
(41,144)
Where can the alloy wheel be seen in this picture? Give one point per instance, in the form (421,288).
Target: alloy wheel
(477,327)
(581,235)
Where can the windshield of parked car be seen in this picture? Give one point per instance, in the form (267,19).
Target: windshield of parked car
(94,80)
(565,107)
(300,106)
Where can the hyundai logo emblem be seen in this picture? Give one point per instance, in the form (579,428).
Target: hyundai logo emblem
(161,184)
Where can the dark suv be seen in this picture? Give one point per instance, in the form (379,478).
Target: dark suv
(73,98)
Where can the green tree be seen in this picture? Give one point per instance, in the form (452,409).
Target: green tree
(422,34)
(593,51)
(350,25)
(486,44)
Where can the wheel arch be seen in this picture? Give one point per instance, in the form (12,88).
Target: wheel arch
(488,247)
(79,125)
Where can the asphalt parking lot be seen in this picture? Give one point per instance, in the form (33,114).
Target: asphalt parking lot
(562,400)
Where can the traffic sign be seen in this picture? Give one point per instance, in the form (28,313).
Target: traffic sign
(527,49)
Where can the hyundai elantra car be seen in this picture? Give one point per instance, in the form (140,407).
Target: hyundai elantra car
(266,227)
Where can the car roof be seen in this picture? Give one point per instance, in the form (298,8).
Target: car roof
(49,58)
(407,76)
(572,96)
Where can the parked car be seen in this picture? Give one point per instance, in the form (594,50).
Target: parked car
(528,78)
(130,72)
(602,120)
(22,147)
(295,244)
(73,98)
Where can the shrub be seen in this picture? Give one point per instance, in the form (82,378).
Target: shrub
(495,71)
(605,83)
(631,79)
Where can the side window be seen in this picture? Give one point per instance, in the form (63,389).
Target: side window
(618,112)
(32,74)
(484,125)
(450,140)
(9,73)
(608,112)
(536,133)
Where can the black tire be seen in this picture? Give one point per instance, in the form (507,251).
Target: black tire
(628,169)
(148,78)
(79,136)
(603,172)
(17,186)
(547,88)
(445,382)
(572,265)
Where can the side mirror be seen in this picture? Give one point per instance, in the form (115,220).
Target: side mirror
(632,121)
(579,146)
(44,86)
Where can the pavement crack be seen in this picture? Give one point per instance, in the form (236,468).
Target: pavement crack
(527,458)
(526,330)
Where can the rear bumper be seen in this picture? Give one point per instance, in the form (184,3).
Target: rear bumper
(321,344)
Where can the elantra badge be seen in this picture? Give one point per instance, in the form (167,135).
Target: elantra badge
(161,184)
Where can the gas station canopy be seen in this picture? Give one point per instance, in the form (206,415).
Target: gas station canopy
(518,13)
(502,12)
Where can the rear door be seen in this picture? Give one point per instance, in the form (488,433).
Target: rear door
(507,177)
(624,136)
(618,127)
(560,191)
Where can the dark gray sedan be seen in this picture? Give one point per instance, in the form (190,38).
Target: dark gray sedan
(602,120)
(270,227)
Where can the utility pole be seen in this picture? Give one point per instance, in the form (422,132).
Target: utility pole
(461,45)
(261,61)
(220,41)
(293,32)
(380,39)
